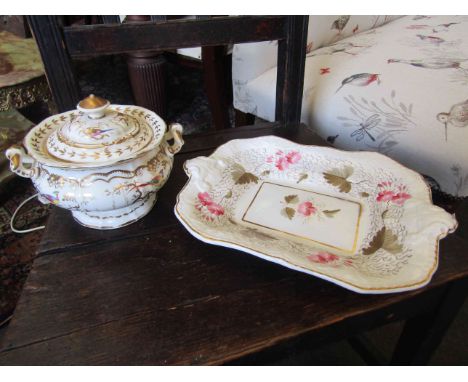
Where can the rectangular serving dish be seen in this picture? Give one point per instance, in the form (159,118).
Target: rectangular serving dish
(357,219)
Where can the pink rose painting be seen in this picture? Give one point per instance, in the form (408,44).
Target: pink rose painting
(306,208)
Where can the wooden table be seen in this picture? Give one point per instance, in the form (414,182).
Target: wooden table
(150,293)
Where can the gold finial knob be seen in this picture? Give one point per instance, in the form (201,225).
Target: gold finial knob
(94,107)
(92,102)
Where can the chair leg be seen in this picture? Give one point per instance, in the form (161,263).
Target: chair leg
(215,83)
(422,334)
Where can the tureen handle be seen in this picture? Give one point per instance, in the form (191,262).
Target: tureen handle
(175,132)
(18,159)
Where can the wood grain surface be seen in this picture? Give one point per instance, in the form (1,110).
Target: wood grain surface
(150,293)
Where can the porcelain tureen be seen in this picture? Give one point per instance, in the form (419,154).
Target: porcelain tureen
(103,162)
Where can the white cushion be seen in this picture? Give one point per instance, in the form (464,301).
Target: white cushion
(420,69)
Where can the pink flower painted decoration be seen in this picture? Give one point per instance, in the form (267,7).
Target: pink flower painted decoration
(323,257)
(306,208)
(389,193)
(385,184)
(400,198)
(207,206)
(205,198)
(284,160)
(282,163)
(293,157)
(216,209)
(385,196)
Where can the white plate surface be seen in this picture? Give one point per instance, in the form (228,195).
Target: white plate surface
(357,219)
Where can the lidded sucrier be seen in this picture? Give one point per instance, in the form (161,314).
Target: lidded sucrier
(104,162)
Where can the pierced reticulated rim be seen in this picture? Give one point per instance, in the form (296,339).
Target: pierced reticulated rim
(205,230)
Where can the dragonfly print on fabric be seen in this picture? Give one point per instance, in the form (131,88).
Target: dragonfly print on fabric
(457,116)
(368,124)
(361,79)
(377,125)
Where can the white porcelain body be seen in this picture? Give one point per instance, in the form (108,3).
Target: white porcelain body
(104,197)
(357,219)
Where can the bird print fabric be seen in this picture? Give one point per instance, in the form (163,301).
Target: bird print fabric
(457,116)
(361,79)
(400,89)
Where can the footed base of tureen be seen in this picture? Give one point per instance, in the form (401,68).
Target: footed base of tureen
(116,218)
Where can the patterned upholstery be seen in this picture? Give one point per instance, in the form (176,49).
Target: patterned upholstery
(400,89)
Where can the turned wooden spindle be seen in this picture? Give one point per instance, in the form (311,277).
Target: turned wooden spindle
(147,73)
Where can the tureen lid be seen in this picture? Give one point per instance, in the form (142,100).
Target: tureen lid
(96,134)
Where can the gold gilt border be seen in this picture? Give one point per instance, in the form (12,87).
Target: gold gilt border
(356,231)
(389,289)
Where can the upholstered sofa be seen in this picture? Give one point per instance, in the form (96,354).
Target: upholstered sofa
(397,85)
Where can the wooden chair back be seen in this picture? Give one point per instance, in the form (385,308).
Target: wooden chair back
(60,44)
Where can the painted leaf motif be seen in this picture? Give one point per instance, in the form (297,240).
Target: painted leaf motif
(391,243)
(293,199)
(237,172)
(288,212)
(338,178)
(246,178)
(376,243)
(384,239)
(364,194)
(265,173)
(228,195)
(240,176)
(302,177)
(331,213)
